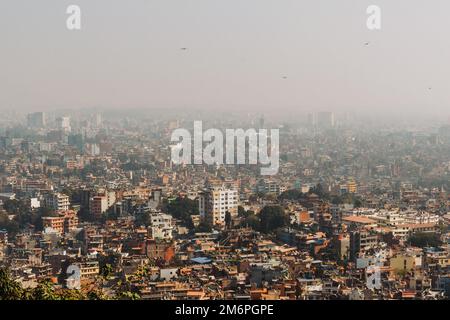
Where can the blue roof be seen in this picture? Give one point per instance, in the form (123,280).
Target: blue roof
(201,260)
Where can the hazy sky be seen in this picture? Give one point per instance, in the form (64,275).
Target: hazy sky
(128,55)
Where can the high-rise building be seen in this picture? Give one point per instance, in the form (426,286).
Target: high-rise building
(98,120)
(64,124)
(361,241)
(36,120)
(64,223)
(98,205)
(101,202)
(341,245)
(57,201)
(216,201)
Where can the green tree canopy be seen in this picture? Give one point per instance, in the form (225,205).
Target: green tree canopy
(272,218)
(9,288)
(182,208)
(425,239)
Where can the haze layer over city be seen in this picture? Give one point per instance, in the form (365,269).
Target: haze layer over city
(217,55)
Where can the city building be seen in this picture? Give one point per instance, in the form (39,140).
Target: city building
(216,201)
(57,201)
(36,120)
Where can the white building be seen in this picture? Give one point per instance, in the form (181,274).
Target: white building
(161,226)
(168,274)
(414,217)
(216,201)
(64,124)
(34,203)
(57,201)
(388,218)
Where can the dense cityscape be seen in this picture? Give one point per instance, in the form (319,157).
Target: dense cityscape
(359,210)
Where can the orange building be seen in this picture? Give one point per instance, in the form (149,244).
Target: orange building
(65,222)
(160,250)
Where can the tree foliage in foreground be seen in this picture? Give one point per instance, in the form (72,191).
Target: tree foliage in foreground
(11,289)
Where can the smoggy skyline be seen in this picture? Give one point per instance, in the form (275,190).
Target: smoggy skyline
(241,55)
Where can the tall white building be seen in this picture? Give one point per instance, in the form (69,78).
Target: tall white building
(215,201)
(98,120)
(64,124)
(57,201)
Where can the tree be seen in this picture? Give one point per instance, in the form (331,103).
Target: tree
(97,295)
(228,219)
(320,191)
(47,212)
(128,295)
(12,226)
(241,211)
(292,194)
(425,239)
(357,203)
(252,221)
(12,290)
(68,192)
(15,206)
(390,239)
(143,219)
(244,213)
(106,271)
(9,288)
(203,227)
(272,218)
(253,198)
(45,291)
(71,294)
(182,208)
